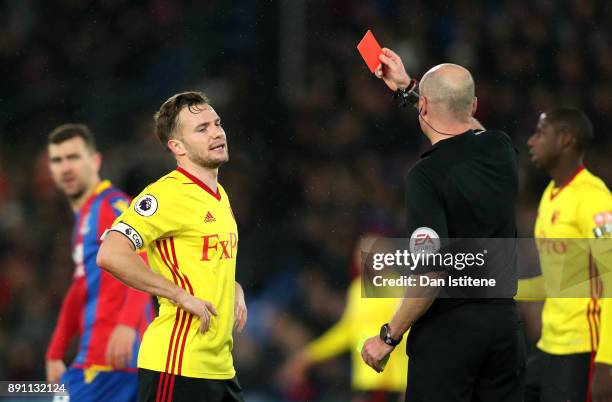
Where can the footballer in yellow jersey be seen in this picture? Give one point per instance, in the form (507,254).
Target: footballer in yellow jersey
(576,206)
(360,318)
(571,324)
(193,244)
(185,223)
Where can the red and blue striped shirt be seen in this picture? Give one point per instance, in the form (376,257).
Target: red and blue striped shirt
(96,302)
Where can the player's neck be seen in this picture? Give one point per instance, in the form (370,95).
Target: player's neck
(207,175)
(78,202)
(564,171)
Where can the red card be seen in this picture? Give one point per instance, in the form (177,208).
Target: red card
(370,50)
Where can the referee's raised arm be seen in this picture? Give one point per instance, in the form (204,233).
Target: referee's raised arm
(464,187)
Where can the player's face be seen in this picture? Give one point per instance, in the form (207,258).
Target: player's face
(203,136)
(544,145)
(73,166)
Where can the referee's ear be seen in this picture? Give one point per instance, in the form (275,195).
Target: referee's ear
(474,105)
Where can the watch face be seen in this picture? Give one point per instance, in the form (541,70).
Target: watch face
(386,336)
(384,332)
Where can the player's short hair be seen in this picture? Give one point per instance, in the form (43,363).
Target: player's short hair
(166,118)
(574,122)
(68,131)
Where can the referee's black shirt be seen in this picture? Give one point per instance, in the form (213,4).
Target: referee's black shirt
(465,186)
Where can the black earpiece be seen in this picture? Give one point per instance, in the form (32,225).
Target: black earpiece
(430,126)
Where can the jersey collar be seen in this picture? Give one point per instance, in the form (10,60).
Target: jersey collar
(200,183)
(100,188)
(555,192)
(105,184)
(447,141)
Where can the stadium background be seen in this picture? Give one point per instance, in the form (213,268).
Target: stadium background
(318,148)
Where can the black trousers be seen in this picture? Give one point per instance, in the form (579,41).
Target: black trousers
(474,352)
(558,378)
(376,396)
(154,386)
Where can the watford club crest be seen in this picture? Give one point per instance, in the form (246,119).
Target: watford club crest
(555,216)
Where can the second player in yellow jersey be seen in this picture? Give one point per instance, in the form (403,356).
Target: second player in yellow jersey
(572,234)
(566,215)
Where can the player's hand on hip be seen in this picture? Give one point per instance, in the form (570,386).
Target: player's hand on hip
(374,352)
(240,309)
(198,307)
(55,369)
(120,346)
(391,70)
(601,385)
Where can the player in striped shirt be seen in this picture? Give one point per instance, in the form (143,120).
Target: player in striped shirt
(109,317)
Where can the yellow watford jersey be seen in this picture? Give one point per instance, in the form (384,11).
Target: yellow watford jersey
(361,319)
(191,238)
(581,209)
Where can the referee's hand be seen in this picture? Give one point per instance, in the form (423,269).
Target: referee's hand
(198,307)
(392,71)
(374,352)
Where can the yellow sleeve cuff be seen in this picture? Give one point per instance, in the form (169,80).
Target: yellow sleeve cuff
(531,289)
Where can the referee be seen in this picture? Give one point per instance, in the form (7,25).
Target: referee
(466,348)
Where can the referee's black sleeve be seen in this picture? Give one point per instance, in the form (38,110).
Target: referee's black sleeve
(424,205)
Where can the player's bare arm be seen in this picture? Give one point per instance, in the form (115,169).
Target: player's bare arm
(601,384)
(54,368)
(118,257)
(375,350)
(416,302)
(240,309)
(120,346)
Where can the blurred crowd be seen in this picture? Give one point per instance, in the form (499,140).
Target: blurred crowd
(314,163)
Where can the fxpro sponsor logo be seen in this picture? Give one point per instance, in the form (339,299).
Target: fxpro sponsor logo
(146,205)
(219,246)
(552,246)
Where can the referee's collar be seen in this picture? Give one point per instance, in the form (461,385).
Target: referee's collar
(448,141)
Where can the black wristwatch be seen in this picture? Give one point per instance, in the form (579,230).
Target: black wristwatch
(408,95)
(385,335)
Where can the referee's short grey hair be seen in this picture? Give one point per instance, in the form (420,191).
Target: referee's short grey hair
(454,90)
